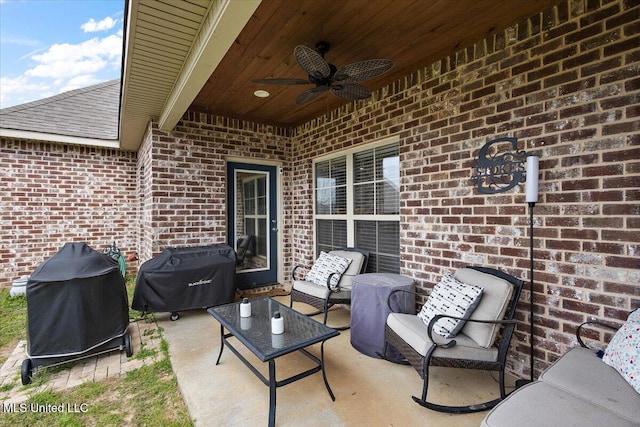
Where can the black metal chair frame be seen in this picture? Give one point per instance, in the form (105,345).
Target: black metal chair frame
(592,323)
(323,305)
(422,363)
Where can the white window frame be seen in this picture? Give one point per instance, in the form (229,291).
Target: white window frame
(349,217)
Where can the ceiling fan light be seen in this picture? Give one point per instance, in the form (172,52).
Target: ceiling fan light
(261,93)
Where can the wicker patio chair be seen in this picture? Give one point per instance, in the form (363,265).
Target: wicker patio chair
(323,297)
(482,343)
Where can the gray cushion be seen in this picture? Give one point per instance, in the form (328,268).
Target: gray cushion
(326,265)
(321,291)
(542,404)
(413,331)
(451,297)
(496,293)
(357,259)
(582,373)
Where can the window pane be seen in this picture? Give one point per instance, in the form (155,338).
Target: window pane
(261,239)
(387,199)
(382,240)
(363,166)
(262,187)
(379,167)
(262,206)
(363,199)
(330,235)
(331,190)
(323,200)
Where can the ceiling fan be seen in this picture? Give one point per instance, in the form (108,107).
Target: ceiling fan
(342,82)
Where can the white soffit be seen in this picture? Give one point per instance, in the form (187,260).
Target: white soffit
(172,48)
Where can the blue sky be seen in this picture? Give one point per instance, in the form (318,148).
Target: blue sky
(48,46)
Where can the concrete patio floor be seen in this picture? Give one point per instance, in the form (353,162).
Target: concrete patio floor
(368,391)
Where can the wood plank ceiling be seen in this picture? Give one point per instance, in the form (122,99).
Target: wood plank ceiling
(205,54)
(412,33)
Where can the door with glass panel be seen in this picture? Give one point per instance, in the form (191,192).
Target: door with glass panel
(252,224)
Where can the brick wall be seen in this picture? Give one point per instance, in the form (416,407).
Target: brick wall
(52,194)
(185,178)
(566,84)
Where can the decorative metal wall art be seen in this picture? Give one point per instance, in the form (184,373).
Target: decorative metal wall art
(500,166)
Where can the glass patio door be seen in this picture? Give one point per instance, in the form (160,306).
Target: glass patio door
(252,224)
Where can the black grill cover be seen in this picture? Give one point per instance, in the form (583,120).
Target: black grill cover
(186,278)
(76,300)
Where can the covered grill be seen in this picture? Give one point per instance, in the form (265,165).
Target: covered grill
(76,307)
(186,278)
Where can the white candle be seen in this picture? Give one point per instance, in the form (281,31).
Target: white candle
(532,179)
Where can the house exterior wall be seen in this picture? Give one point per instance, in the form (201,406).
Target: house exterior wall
(565,83)
(183,192)
(51,194)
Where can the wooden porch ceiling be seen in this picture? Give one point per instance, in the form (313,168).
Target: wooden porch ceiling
(412,33)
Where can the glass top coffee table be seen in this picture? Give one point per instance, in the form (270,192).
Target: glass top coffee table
(254,332)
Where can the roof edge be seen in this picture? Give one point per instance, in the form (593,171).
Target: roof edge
(62,139)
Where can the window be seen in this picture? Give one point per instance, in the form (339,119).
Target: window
(357,196)
(254,195)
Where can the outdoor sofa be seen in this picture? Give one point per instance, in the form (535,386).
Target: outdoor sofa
(580,389)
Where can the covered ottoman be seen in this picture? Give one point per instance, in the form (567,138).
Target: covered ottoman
(369,309)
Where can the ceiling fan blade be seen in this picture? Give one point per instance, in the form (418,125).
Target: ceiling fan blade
(311,62)
(363,70)
(284,81)
(310,94)
(350,91)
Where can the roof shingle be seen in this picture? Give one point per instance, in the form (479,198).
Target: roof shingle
(90,112)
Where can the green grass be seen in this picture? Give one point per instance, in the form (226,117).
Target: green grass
(147,396)
(12,323)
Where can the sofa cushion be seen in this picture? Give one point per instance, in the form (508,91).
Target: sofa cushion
(454,298)
(413,331)
(542,404)
(623,352)
(582,373)
(496,293)
(325,265)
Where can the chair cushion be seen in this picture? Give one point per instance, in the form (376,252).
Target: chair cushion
(325,265)
(318,291)
(452,297)
(413,331)
(623,352)
(357,259)
(496,293)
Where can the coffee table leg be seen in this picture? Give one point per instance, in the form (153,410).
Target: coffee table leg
(272,393)
(324,375)
(221,343)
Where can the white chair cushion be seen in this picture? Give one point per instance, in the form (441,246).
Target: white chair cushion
(451,297)
(496,293)
(325,265)
(413,331)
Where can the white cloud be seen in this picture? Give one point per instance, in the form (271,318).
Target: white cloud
(17,40)
(91,26)
(65,66)
(80,82)
(21,89)
(69,60)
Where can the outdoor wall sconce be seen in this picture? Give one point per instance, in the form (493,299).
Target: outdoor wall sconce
(498,170)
